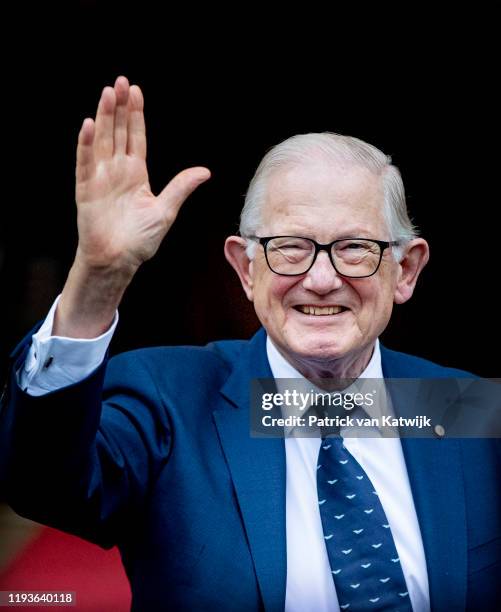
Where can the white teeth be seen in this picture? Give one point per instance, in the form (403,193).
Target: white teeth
(320,310)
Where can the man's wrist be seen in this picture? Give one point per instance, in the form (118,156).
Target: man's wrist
(89,300)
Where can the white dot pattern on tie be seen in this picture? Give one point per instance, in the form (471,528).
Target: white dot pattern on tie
(364,562)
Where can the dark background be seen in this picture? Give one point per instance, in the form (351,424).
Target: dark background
(221,97)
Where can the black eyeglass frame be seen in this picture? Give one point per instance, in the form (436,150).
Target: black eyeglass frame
(382,244)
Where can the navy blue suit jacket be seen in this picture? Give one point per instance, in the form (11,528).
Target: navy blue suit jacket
(159,461)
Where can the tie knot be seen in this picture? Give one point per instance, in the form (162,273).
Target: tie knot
(328,418)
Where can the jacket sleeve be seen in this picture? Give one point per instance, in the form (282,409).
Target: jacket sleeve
(84,458)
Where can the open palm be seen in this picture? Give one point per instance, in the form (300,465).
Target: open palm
(121,223)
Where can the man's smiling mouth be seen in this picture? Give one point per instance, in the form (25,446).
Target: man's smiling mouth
(320,311)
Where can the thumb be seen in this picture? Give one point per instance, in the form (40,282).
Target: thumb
(180,187)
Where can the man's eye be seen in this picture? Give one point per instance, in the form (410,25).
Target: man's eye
(289,247)
(292,247)
(353,246)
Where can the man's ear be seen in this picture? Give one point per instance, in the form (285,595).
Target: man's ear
(416,255)
(234,251)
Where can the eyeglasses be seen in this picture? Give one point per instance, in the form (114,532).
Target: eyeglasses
(351,257)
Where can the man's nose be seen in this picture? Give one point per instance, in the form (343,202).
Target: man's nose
(322,277)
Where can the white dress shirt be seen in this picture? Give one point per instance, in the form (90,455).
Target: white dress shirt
(54,362)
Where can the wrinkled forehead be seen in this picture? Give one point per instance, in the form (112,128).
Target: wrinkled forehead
(324,199)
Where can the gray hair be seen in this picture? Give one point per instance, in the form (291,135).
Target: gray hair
(338,149)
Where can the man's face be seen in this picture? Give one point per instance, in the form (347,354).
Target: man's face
(323,202)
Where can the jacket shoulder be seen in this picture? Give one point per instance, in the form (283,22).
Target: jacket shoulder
(402,365)
(210,362)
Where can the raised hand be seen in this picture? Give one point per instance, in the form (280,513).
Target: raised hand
(121,223)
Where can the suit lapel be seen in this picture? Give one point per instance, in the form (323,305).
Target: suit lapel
(257,467)
(433,466)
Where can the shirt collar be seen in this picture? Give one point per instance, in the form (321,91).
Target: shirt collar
(281,368)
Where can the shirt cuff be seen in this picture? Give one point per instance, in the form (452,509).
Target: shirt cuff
(54,362)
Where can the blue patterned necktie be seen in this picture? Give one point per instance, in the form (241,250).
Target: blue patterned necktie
(362,555)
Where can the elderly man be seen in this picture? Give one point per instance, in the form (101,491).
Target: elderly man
(151,451)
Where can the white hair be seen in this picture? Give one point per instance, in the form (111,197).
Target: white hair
(336,148)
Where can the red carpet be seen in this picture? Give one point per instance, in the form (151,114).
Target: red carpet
(55,561)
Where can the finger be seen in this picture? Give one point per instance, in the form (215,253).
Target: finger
(136,132)
(103,140)
(180,187)
(121,114)
(85,151)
